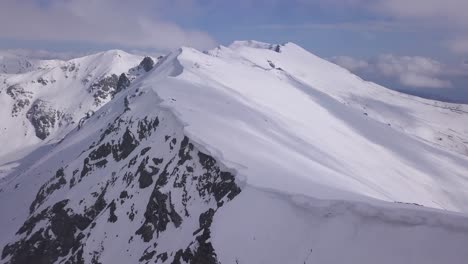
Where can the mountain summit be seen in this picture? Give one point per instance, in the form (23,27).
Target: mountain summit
(251,153)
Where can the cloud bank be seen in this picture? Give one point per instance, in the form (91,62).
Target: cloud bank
(449,16)
(137,24)
(409,71)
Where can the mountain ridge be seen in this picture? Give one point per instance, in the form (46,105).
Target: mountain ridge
(242,155)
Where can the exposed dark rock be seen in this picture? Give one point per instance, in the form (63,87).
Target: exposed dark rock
(55,183)
(83,120)
(126,104)
(277,48)
(42,81)
(162,257)
(20,96)
(123,195)
(127,144)
(86,168)
(128,178)
(101,163)
(220,184)
(157,161)
(147,255)
(131,214)
(112,217)
(147,64)
(272,65)
(42,247)
(146,127)
(157,216)
(184,151)
(98,205)
(172,143)
(146,176)
(102,151)
(184,255)
(113,127)
(122,83)
(19,105)
(45,118)
(144,151)
(214,183)
(205,253)
(185,176)
(104,89)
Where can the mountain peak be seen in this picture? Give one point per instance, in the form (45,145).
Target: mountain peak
(234,155)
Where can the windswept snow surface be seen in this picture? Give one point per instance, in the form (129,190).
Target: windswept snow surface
(253,153)
(303,230)
(292,122)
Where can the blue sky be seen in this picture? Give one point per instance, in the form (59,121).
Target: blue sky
(418,46)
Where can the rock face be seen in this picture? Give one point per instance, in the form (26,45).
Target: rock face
(104,89)
(147,64)
(21,97)
(123,83)
(141,173)
(45,118)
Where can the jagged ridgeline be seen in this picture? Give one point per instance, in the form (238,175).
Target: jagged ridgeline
(252,153)
(139,186)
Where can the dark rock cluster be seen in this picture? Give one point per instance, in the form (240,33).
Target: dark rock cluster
(45,118)
(175,181)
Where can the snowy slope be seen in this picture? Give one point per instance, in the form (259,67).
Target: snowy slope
(280,132)
(43,104)
(442,123)
(253,153)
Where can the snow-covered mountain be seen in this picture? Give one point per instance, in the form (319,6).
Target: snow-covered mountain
(252,153)
(44,104)
(11,63)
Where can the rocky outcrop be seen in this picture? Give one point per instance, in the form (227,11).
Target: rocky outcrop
(21,97)
(45,118)
(146,64)
(123,83)
(140,173)
(104,89)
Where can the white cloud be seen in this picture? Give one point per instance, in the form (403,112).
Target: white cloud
(443,12)
(448,17)
(409,71)
(129,23)
(351,63)
(450,13)
(395,65)
(423,81)
(458,45)
(381,26)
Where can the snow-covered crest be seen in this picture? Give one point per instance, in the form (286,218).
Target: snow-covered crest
(250,153)
(271,113)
